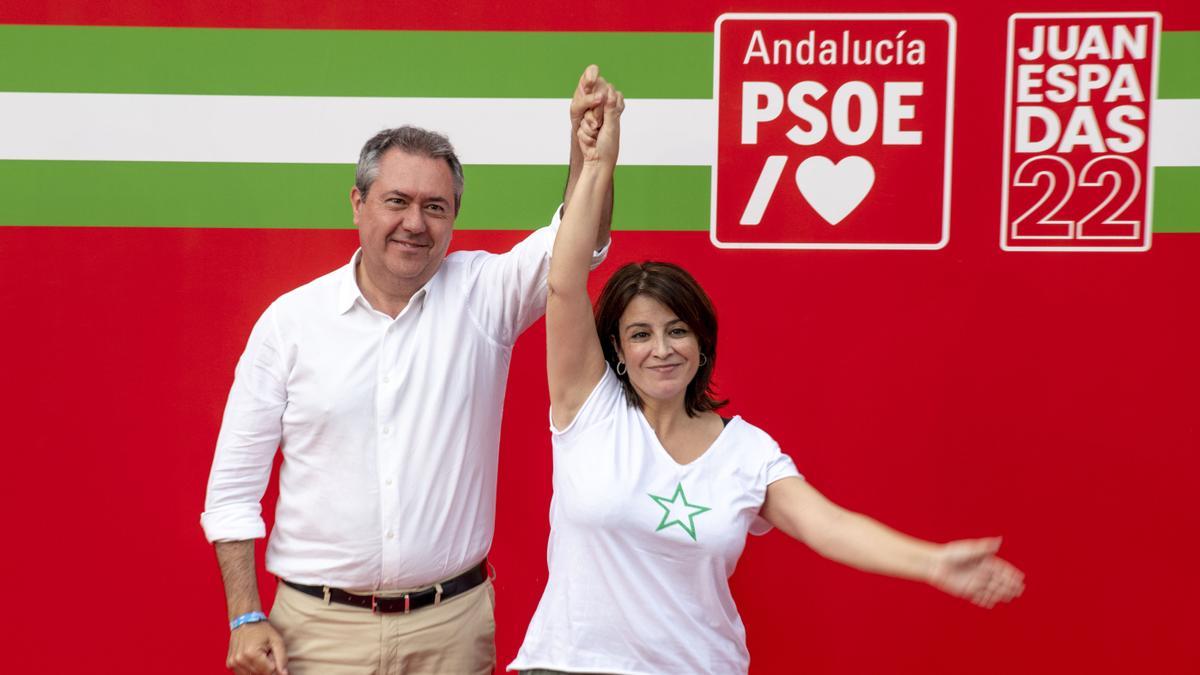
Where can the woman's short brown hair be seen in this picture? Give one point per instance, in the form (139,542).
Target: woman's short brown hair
(676,289)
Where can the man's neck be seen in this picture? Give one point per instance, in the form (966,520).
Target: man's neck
(381,293)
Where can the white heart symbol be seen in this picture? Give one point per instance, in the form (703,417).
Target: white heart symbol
(834,190)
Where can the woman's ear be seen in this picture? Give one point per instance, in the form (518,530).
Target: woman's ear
(616,345)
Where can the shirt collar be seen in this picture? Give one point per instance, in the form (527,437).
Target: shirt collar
(349,292)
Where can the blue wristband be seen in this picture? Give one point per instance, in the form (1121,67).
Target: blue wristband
(248,617)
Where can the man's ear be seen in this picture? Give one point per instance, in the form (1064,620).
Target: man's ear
(356,201)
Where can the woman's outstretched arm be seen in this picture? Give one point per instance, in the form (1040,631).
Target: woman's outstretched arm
(574,360)
(967,568)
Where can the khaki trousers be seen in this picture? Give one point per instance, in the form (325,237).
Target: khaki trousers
(458,636)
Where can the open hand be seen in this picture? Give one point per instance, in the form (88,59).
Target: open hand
(970,569)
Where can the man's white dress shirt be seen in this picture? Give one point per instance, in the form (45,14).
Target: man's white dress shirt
(389,428)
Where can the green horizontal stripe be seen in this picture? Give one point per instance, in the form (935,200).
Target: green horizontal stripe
(1179,67)
(1177,199)
(348,63)
(105,59)
(316,196)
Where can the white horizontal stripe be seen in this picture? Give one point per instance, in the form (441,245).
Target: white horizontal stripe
(330,130)
(1175,132)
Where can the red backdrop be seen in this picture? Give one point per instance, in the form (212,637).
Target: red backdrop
(1050,398)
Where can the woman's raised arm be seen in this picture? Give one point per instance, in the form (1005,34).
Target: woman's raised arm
(574,360)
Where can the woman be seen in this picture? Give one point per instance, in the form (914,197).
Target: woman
(654,492)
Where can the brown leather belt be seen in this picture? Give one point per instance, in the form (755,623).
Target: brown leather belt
(405,602)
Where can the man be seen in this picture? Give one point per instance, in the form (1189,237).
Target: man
(382,382)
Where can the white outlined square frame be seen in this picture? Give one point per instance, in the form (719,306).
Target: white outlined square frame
(952,26)
(1156,18)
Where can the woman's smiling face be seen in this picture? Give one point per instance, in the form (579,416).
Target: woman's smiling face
(660,351)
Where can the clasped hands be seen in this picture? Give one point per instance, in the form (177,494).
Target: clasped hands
(596,111)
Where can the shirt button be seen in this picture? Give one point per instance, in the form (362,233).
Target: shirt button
(387,379)
(389,481)
(387,430)
(391,535)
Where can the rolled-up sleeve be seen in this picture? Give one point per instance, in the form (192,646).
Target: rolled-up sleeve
(508,290)
(250,434)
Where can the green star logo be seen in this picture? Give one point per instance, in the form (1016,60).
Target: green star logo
(677,511)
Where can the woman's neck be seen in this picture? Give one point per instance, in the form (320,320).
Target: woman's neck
(665,417)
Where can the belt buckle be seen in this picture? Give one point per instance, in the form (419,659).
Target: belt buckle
(375,603)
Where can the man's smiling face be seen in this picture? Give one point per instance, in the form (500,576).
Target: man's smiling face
(406,218)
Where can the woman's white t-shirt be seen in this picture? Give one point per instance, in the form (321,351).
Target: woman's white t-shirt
(641,548)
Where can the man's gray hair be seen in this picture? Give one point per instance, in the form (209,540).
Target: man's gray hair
(414,141)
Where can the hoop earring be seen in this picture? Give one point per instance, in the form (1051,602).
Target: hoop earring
(703,360)
(621,368)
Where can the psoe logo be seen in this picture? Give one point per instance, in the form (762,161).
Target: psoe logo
(1078,95)
(833,131)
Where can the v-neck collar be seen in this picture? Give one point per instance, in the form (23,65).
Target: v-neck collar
(662,450)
